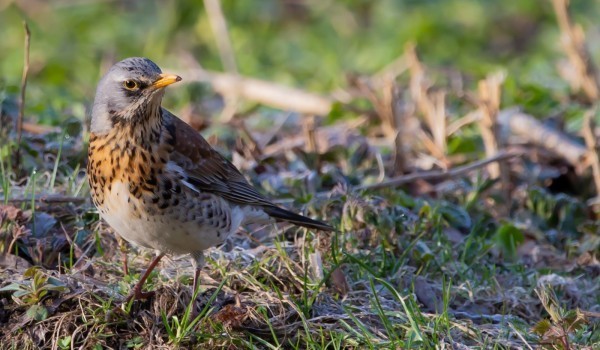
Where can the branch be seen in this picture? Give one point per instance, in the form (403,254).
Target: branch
(532,130)
(441,175)
(489,90)
(430,104)
(219,27)
(271,94)
(592,145)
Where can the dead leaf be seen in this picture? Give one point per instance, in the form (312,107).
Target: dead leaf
(590,263)
(10,213)
(231,316)
(428,295)
(11,261)
(587,259)
(339,282)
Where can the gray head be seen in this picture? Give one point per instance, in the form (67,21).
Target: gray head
(130,92)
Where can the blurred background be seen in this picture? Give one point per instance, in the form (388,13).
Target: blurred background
(309,44)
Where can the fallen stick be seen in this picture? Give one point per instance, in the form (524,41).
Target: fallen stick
(516,123)
(271,94)
(533,131)
(440,175)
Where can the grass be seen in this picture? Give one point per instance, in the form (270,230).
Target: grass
(268,298)
(444,263)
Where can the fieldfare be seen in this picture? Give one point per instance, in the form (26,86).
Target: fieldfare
(157,182)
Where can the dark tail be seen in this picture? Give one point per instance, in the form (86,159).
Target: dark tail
(281,214)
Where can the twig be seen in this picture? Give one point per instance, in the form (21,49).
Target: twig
(533,131)
(490,91)
(399,158)
(384,103)
(573,41)
(268,93)
(273,131)
(392,69)
(441,175)
(590,313)
(431,104)
(381,167)
(340,134)
(592,144)
(308,127)
(385,96)
(254,151)
(520,335)
(312,147)
(23,88)
(48,199)
(219,27)
(433,149)
(458,124)
(489,106)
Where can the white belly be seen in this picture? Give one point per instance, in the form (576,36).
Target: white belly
(162,232)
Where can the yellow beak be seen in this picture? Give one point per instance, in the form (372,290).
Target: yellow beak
(166,80)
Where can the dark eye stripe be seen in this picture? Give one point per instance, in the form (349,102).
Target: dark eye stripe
(131,93)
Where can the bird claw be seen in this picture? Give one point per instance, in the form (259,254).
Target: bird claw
(138,294)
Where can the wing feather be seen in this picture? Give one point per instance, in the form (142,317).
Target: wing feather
(206,168)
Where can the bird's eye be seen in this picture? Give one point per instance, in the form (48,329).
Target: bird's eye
(130,85)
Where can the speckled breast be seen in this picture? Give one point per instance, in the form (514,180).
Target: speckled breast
(142,196)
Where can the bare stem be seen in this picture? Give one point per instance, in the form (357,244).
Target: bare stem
(591,143)
(573,41)
(441,175)
(219,28)
(23,88)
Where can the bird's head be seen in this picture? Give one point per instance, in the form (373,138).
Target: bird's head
(130,92)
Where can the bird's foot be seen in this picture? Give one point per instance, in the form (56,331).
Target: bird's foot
(195,291)
(137,294)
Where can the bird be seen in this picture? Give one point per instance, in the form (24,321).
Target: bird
(157,182)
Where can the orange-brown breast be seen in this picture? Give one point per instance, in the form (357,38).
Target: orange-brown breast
(117,157)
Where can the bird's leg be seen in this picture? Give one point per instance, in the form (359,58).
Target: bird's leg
(198,263)
(123,249)
(125,266)
(196,279)
(136,292)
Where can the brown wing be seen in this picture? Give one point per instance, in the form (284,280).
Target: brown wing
(209,171)
(206,168)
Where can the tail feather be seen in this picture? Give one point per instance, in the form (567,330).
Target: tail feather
(281,214)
